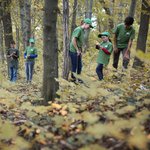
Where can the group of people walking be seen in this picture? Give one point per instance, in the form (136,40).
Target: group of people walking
(29,55)
(124,34)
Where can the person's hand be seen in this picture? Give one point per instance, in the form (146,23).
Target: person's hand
(115,49)
(101,47)
(97,46)
(126,55)
(28,56)
(79,51)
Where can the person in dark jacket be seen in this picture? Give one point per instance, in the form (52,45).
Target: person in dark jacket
(12,55)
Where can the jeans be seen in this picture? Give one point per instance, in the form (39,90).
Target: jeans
(29,66)
(76,62)
(13,73)
(116,58)
(99,71)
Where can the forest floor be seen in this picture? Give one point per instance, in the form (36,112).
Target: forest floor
(113,114)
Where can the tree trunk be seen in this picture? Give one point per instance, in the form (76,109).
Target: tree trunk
(50,54)
(17,38)
(73,23)
(109,12)
(88,14)
(25,16)
(143,32)
(132,8)
(66,39)
(1,44)
(7,23)
(120,14)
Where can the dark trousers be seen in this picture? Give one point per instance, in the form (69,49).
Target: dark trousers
(76,62)
(116,58)
(99,71)
(29,66)
(13,73)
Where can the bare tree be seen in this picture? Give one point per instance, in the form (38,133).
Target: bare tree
(66,39)
(25,16)
(88,14)
(1,43)
(143,31)
(73,23)
(7,23)
(132,8)
(50,54)
(109,12)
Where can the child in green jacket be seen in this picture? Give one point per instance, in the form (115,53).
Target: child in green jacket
(105,49)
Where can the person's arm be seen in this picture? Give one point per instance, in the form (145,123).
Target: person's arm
(105,50)
(35,54)
(15,54)
(25,54)
(74,41)
(99,47)
(127,52)
(8,54)
(129,45)
(115,43)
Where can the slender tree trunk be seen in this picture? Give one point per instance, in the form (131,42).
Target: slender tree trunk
(143,32)
(17,38)
(88,14)
(73,23)
(25,16)
(89,5)
(7,23)
(109,12)
(120,14)
(50,54)
(65,39)
(132,8)
(1,44)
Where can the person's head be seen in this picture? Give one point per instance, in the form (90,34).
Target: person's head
(104,36)
(12,44)
(87,23)
(32,42)
(128,21)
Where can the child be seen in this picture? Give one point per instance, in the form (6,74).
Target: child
(12,55)
(30,55)
(105,49)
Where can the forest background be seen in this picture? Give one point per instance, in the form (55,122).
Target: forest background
(54,113)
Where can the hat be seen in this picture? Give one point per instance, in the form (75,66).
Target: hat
(88,21)
(31,40)
(104,34)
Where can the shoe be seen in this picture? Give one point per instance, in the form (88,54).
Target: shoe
(124,69)
(80,81)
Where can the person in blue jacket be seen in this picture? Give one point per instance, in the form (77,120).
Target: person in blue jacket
(30,54)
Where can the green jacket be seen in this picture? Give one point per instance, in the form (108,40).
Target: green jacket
(123,35)
(103,58)
(30,53)
(78,33)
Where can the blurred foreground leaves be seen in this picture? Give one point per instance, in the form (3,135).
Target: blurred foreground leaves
(112,114)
